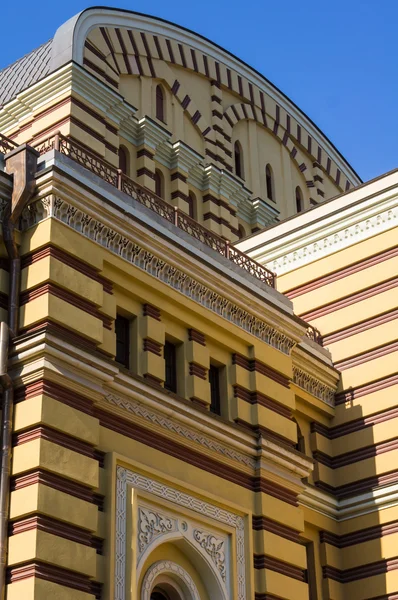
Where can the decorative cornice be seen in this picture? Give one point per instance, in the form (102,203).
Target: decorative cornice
(120,245)
(330,227)
(173,426)
(313,386)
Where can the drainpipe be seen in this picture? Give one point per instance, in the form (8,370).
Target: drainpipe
(22,164)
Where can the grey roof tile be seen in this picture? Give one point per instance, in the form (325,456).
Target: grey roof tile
(24,72)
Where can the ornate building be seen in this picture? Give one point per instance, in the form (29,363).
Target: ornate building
(198,339)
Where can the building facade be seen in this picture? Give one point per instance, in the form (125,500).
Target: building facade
(198,302)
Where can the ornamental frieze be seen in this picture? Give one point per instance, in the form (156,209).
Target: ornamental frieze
(145,260)
(313,386)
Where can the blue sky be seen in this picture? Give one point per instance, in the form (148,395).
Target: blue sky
(336,60)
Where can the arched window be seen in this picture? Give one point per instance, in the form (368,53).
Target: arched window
(191,199)
(159,183)
(269,180)
(160,103)
(238,160)
(299,199)
(242,232)
(124,160)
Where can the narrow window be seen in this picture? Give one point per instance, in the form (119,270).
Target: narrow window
(238,160)
(242,232)
(170,366)
(122,331)
(191,199)
(311,573)
(124,160)
(269,183)
(214,379)
(160,103)
(159,187)
(299,199)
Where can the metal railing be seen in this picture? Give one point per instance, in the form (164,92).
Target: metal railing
(314,334)
(6,145)
(122,182)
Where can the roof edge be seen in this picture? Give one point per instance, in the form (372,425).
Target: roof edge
(67,47)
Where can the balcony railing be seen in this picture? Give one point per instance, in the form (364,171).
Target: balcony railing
(147,198)
(314,334)
(6,145)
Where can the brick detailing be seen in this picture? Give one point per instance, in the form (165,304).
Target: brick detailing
(55,391)
(361,572)
(67,259)
(370,323)
(144,171)
(57,482)
(154,347)
(196,336)
(349,458)
(358,537)
(197,370)
(252,364)
(367,388)
(261,523)
(58,575)
(56,527)
(144,152)
(356,425)
(262,561)
(69,297)
(373,354)
(56,437)
(362,485)
(262,399)
(190,456)
(151,311)
(373,290)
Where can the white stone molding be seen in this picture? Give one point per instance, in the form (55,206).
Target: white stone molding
(155,527)
(126,478)
(330,227)
(138,409)
(127,249)
(214,547)
(152,524)
(167,567)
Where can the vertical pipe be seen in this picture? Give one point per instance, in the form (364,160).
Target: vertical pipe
(22,164)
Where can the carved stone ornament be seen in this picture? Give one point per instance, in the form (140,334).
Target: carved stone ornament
(167,567)
(214,547)
(126,478)
(188,433)
(157,267)
(152,524)
(313,386)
